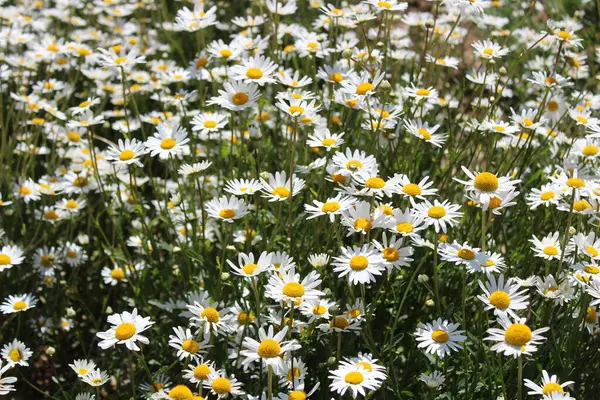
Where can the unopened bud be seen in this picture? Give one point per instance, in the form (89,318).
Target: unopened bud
(50,351)
(385,86)
(572,230)
(347,53)
(71,312)
(422,278)
(430,303)
(225,276)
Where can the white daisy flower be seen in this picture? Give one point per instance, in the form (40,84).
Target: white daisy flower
(515,338)
(440,337)
(126,330)
(503,298)
(361,264)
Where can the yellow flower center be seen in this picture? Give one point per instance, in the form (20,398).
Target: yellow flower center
(390,254)
(581,205)
(375,183)
(47,260)
(550,250)
(83,371)
(225,53)
(552,105)
(19,305)
(425,134)
(592,251)
(24,191)
(339,322)
(440,336)
(243,317)
(297,395)
(517,335)
(120,60)
(221,385)
(488,51)
(500,299)
(384,4)
(423,92)
(293,289)
(254,73)
(15,355)
(486,182)
(191,346)
(127,155)
(296,109)
(328,142)
(181,392)
(125,331)
(211,315)
(227,213)
(354,378)
(591,316)
(591,269)
(412,189)
(168,143)
(359,263)
(547,196)
(210,124)
(364,87)
(319,310)
(466,254)
(269,348)
(249,268)
(240,98)
(201,372)
(336,77)
(590,150)
(5,259)
(436,212)
(363,224)
(330,206)
(552,387)
(117,274)
(564,35)
(281,191)
(404,227)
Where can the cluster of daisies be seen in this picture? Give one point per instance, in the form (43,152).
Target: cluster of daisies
(292,200)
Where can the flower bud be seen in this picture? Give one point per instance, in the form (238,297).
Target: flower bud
(422,278)
(50,351)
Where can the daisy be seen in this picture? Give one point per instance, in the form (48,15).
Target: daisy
(226,208)
(237,96)
(6,383)
(354,163)
(277,188)
(550,384)
(375,185)
(270,349)
(208,123)
(433,380)
(485,185)
(489,50)
(390,5)
(492,263)
(72,205)
(544,196)
(332,207)
(127,152)
(470,257)
(588,245)
(550,289)
(167,142)
(405,223)
(17,303)
(156,388)
(27,190)
(358,218)
(16,353)
(394,255)
(421,93)
(113,276)
(221,385)
(440,215)
(212,318)
(10,256)
(186,344)
(363,84)
(82,367)
(423,131)
(95,378)
(121,59)
(324,138)
(335,74)
(549,247)
(288,287)
(126,330)
(440,337)
(503,298)
(515,338)
(415,190)
(249,267)
(195,169)
(258,69)
(353,378)
(361,264)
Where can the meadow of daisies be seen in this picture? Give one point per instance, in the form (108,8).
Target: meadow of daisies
(294,199)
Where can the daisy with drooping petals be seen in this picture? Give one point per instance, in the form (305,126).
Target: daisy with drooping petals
(394,254)
(126,330)
(489,50)
(242,187)
(470,257)
(6,383)
(440,337)
(16,353)
(515,338)
(95,378)
(588,245)
(503,298)
(423,131)
(82,367)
